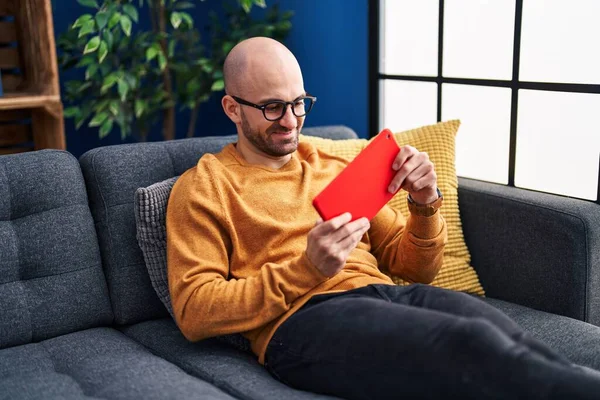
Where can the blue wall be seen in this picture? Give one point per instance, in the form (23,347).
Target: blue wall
(329,38)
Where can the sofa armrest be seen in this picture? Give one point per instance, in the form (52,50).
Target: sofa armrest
(534,249)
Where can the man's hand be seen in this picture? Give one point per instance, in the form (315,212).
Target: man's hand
(415,174)
(330,243)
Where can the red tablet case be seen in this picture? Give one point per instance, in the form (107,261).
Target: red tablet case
(362,187)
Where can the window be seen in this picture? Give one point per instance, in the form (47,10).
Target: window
(522,76)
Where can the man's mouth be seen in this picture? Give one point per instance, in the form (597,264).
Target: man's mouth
(282,133)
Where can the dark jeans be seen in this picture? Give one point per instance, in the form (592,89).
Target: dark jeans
(418,341)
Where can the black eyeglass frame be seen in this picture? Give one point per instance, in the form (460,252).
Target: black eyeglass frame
(284,103)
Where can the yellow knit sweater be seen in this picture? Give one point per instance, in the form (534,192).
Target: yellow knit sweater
(236,241)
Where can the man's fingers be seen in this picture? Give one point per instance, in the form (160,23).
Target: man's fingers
(405,171)
(351,228)
(404,154)
(334,223)
(338,228)
(349,242)
(419,178)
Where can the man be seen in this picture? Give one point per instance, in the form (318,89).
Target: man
(245,255)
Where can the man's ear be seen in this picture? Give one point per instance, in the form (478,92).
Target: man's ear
(231,108)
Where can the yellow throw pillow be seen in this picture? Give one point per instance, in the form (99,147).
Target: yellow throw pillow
(438,141)
(345,148)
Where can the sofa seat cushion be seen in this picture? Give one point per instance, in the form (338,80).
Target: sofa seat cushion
(51,280)
(578,341)
(95,363)
(236,372)
(239,373)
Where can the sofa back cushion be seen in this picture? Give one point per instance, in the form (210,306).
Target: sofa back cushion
(112,175)
(51,279)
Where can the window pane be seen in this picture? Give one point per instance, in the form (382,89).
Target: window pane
(478,39)
(558,143)
(410,41)
(482,142)
(408,105)
(559,41)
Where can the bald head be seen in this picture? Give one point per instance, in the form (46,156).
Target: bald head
(255,62)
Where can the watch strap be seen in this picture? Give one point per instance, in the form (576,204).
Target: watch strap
(425,210)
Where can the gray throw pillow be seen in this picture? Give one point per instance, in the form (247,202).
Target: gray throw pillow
(150,215)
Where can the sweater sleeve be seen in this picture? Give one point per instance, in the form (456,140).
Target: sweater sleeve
(206,302)
(412,248)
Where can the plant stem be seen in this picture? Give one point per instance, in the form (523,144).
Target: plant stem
(169,113)
(152,12)
(193,119)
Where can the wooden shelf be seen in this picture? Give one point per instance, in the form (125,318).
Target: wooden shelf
(15,101)
(31,111)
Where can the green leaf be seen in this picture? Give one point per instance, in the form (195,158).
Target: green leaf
(114,20)
(101,19)
(227,46)
(79,119)
(123,89)
(246,5)
(131,11)
(109,82)
(85,86)
(187,18)
(131,80)
(108,38)
(85,61)
(260,3)
(162,61)
(125,24)
(91,71)
(193,86)
(87,27)
(98,119)
(114,107)
(105,68)
(207,68)
(102,51)
(88,3)
(152,52)
(92,45)
(106,128)
(284,25)
(176,19)
(81,20)
(183,5)
(217,86)
(140,106)
(172,45)
(71,112)
(101,105)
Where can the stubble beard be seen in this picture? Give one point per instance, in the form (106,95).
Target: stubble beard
(265,143)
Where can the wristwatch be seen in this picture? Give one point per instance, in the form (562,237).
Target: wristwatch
(425,210)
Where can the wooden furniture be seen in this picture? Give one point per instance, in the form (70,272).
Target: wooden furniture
(31,112)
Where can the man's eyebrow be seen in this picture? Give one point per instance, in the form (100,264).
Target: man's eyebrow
(263,101)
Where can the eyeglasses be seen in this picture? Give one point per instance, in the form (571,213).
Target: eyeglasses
(275,110)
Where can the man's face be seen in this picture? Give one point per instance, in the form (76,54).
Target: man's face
(272,138)
(271,79)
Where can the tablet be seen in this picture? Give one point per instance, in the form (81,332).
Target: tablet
(362,187)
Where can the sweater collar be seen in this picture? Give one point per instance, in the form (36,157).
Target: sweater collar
(234,156)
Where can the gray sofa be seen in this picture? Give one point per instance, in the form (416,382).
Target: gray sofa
(79,317)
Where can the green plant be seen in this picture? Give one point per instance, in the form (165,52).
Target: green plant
(132,76)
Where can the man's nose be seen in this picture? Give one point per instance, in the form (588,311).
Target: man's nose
(288,120)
